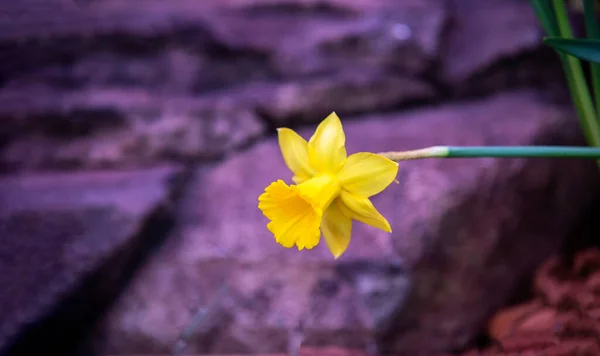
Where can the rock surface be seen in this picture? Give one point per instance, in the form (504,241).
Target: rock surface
(58,230)
(191,80)
(495,44)
(263,40)
(483,32)
(139,84)
(119,128)
(562,319)
(410,291)
(115,83)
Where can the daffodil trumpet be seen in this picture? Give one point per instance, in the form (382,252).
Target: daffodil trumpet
(495,151)
(331,189)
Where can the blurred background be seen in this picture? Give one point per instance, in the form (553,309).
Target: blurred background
(137,135)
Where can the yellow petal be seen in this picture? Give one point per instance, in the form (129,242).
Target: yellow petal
(295,220)
(326,148)
(295,154)
(361,209)
(336,228)
(366,174)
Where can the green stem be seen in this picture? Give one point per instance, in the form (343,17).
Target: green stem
(593,32)
(577,84)
(495,151)
(525,152)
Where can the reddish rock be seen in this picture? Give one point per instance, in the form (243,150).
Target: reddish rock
(502,324)
(569,326)
(56,232)
(413,290)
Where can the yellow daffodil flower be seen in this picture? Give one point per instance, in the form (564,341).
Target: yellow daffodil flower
(331,189)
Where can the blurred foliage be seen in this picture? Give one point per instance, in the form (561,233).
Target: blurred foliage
(554,19)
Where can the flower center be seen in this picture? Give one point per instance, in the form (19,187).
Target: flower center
(295,211)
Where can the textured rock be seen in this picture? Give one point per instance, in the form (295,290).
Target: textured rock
(320,351)
(110,83)
(484,32)
(412,290)
(56,231)
(306,101)
(297,37)
(489,45)
(128,84)
(471,235)
(311,37)
(102,128)
(190,46)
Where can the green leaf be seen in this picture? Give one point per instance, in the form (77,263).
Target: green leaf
(591,22)
(578,87)
(593,32)
(582,48)
(545,14)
